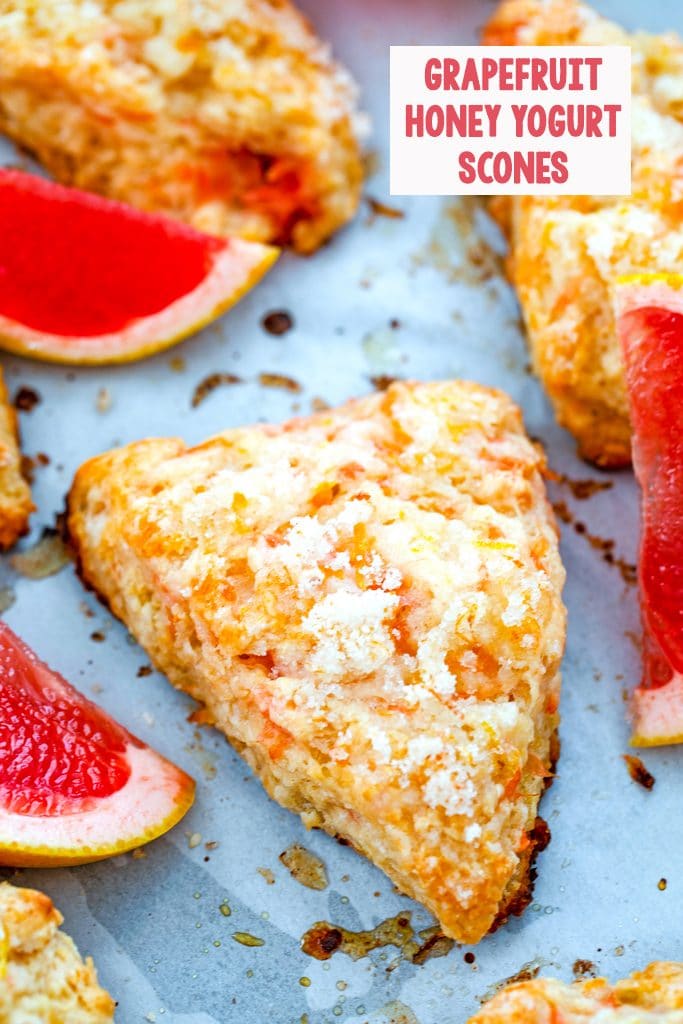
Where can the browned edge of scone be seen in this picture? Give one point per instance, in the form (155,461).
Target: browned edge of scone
(71,544)
(16,505)
(539,837)
(602,437)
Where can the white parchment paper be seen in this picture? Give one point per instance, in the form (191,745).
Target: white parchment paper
(153,924)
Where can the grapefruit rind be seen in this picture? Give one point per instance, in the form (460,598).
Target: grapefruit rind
(4,950)
(634,291)
(657,712)
(154,799)
(235,270)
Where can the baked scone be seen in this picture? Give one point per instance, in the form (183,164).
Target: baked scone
(231,116)
(367,602)
(42,975)
(15,495)
(566,252)
(652,996)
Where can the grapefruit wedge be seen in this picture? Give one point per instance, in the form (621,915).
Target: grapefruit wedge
(650,323)
(89,280)
(75,786)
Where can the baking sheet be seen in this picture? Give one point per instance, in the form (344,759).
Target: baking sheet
(153,924)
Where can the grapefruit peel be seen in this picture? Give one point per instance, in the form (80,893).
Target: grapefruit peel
(657,702)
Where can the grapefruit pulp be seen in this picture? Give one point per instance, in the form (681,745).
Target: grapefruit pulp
(75,786)
(650,325)
(88,280)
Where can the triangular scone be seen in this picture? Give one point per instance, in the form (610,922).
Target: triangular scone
(652,996)
(566,252)
(368,603)
(229,115)
(15,495)
(42,975)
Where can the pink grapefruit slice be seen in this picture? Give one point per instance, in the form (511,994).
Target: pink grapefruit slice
(88,280)
(75,786)
(650,326)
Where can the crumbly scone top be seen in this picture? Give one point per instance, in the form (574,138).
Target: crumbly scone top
(148,53)
(652,996)
(42,976)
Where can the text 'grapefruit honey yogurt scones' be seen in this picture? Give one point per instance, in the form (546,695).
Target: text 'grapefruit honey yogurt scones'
(566,252)
(231,116)
(368,603)
(42,975)
(652,996)
(15,496)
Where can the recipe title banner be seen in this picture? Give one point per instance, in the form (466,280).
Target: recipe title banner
(510,120)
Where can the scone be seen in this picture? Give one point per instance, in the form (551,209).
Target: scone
(42,975)
(367,602)
(652,996)
(15,496)
(230,116)
(565,253)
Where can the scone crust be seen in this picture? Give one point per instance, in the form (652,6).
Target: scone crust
(566,253)
(15,495)
(42,975)
(368,604)
(216,113)
(652,996)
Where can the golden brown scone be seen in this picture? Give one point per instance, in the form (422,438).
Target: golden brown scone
(368,603)
(42,976)
(565,253)
(231,116)
(15,496)
(652,996)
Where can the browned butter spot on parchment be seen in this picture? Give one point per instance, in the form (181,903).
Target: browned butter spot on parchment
(584,969)
(323,939)
(305,867)
(279,380)
(45,558)
(210,383)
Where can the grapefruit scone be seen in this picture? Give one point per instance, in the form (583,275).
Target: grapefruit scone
(15,496)
(566,253)
(231,116)
(367,602)
(652,996)
(42,975)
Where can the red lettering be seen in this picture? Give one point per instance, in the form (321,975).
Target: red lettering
(560,171)
(433,76)
(415,121)
(612,109)
(593,63)
(468,174)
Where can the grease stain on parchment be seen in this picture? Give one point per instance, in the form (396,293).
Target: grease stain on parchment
(323,940)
